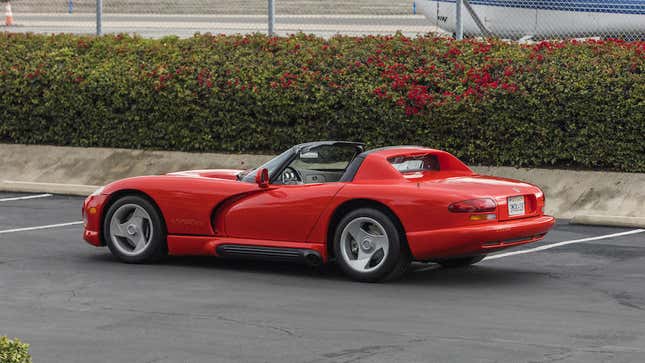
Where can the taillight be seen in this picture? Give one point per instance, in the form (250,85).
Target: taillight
(473,206)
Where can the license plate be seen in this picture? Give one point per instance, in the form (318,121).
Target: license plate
(516,206)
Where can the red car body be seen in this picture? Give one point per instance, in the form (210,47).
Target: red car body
(204,209)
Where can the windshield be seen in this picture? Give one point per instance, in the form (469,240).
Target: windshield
(315,162)
(319,164)
(272,165)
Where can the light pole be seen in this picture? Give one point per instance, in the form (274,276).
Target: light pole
(99,17)
(271,17)
(459,22)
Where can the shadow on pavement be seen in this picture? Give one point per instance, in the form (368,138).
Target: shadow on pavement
(420,273)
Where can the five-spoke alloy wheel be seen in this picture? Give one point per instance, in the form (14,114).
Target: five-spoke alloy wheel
(134,231)
(368,246)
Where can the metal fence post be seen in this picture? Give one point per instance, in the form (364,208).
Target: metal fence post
(271,17)
(99,17)
(459,21)
(476,19)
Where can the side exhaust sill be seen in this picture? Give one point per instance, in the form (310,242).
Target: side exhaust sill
(308,257)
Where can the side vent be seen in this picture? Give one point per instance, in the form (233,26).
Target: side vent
(309,257)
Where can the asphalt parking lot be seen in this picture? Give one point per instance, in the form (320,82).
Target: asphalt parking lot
(582,301)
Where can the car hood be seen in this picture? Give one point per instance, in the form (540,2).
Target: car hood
(228,174)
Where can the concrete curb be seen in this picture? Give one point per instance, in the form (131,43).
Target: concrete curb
(613,221)
(53,188)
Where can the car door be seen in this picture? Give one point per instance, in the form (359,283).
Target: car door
(298,193)
(279,212)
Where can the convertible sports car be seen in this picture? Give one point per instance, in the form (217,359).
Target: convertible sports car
(371,211)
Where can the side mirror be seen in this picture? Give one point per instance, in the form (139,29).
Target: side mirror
(262,177)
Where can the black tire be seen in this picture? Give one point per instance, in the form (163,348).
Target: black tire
(398,258)
(157,247)
(460,262)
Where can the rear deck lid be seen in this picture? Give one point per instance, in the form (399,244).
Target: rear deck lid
(515,199)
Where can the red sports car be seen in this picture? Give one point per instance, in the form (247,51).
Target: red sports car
(373,212)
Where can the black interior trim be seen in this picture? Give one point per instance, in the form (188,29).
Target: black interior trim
(352,169)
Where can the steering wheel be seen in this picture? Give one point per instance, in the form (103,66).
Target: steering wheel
(291,176)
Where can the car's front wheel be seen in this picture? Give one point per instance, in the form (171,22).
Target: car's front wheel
(134,231)
(368,246)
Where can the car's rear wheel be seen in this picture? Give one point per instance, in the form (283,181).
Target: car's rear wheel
(134,231)
(460,262)
(369,247)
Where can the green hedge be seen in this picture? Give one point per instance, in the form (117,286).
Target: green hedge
(551,104)
(13,351)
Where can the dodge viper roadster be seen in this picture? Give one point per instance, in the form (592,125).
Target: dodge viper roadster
(373,211)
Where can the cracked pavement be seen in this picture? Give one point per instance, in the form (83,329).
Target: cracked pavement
(75,303)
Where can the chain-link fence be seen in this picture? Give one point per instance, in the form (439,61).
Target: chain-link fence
(152,18)
(512,19)
(540,19)
(220,7)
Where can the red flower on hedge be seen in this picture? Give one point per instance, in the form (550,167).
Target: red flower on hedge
(419,96)
(33,74)
(287,79)
(453,51)
(542,45)
(482,48)
(411,110)
(511,88)
(470,92)
(380,93)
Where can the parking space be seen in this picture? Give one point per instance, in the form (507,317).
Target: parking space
(9,195)
(583,301)
(44,210)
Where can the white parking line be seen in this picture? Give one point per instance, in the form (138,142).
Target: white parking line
(26,197)
(563,243)
(40,227)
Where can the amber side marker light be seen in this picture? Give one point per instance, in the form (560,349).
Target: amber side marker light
(480,205)
(91,210)
(483,217)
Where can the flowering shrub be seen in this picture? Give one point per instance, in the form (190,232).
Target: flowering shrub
(13,351)
(561,104)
